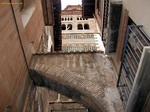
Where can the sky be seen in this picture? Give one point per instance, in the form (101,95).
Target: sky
(64,3)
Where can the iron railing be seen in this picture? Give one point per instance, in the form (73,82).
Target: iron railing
(136,40)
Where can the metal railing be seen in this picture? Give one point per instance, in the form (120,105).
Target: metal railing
(136,39)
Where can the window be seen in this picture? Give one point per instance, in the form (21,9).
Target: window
(69,27)
(77,18)
(70,18)
(86,26)
(62,19)
(80,27)
(63,27)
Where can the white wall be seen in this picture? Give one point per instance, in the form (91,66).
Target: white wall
(75,22)
(139,11)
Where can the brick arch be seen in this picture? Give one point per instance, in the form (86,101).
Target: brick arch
(68,89)
(89,75)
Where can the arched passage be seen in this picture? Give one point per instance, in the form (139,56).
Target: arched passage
(39,78)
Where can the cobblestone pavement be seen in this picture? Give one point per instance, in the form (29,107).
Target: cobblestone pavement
(90,73)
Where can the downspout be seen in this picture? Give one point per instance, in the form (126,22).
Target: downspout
(19,37)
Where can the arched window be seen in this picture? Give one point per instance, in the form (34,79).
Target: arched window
(65,19)
(69,27)
(80,27)
(80,18)
(70,18)
(86,26)
(62,19)
(77,18)
(63,27)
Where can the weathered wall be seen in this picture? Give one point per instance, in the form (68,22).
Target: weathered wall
(99,18)
(89,74)
(14,80)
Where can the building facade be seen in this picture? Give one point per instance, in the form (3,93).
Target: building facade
(79,34)
(22,25)
(125,30)
(19,39)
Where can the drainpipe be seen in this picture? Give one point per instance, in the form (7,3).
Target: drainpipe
(19,37)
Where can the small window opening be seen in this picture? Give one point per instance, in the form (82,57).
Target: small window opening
(69,27)
(63,27)
(80,27)
(86,26)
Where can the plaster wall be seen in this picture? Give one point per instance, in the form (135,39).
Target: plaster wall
(14,80)
(139,12)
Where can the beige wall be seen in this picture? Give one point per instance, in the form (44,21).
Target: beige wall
(13,72)
(139,11)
